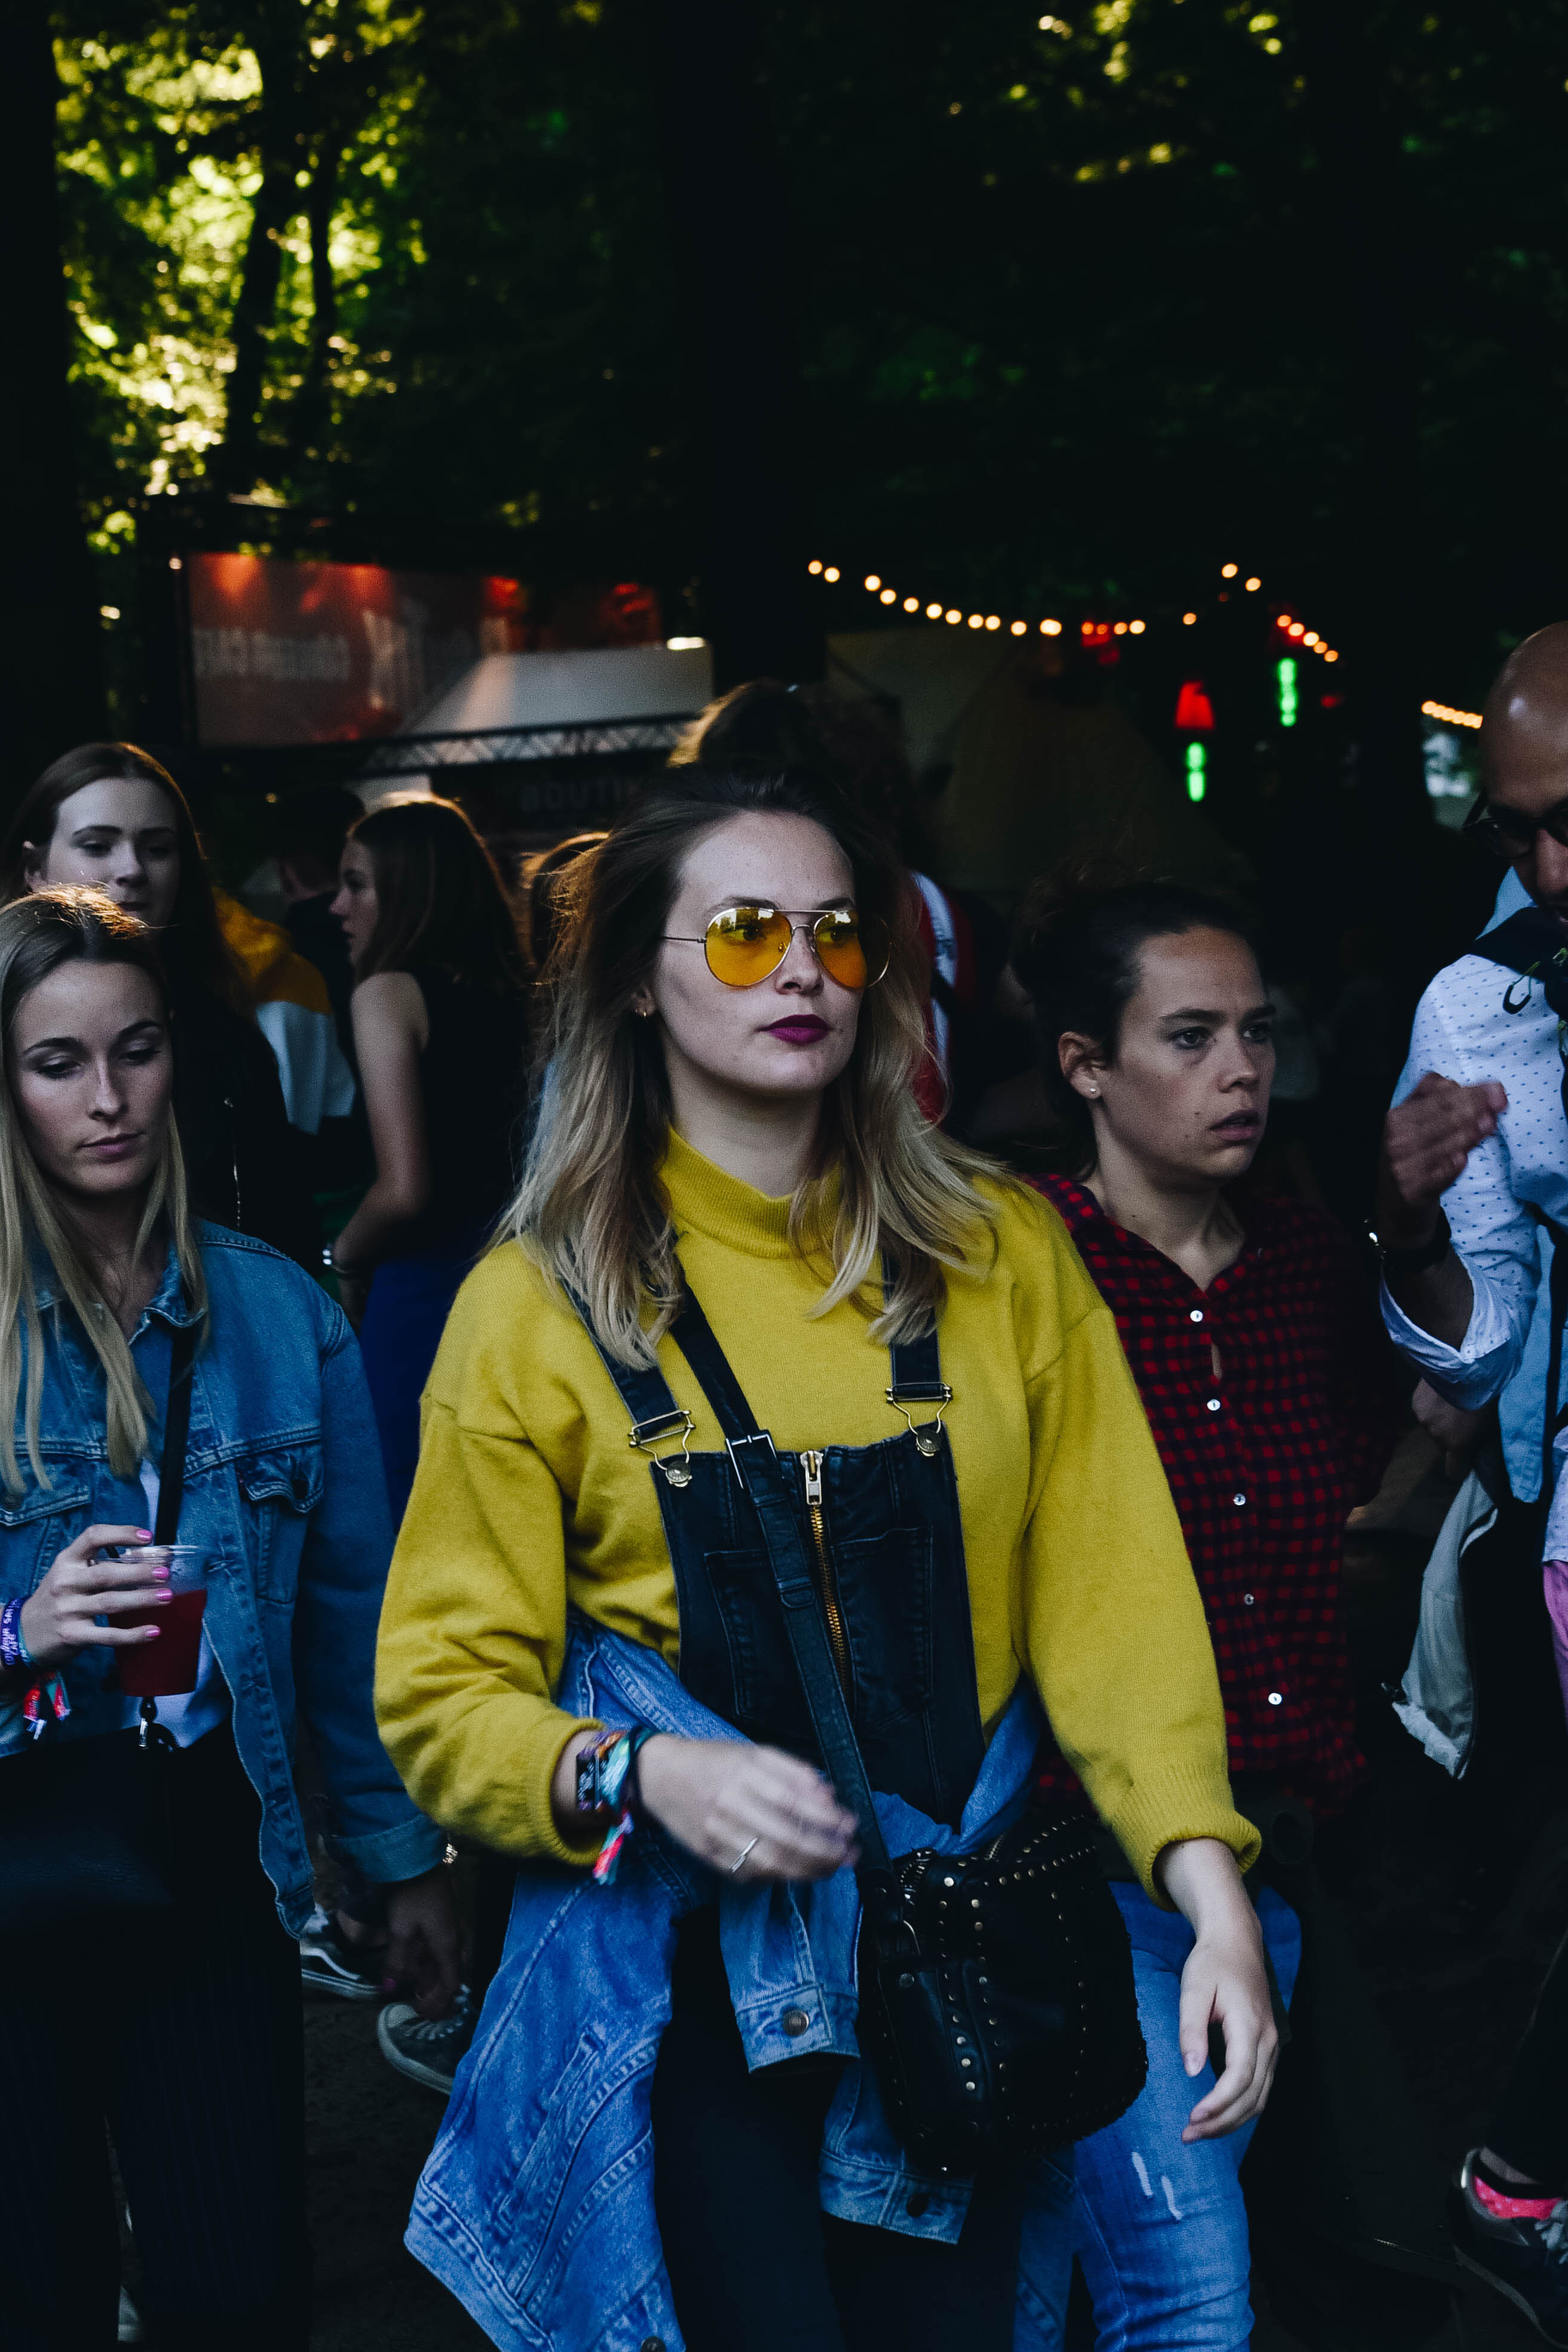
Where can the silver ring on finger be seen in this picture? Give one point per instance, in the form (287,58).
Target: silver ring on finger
(743,1854)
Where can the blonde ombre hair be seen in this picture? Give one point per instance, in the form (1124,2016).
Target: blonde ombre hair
(591,1209)
(38,934)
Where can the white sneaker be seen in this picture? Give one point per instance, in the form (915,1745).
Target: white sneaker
(428,2049)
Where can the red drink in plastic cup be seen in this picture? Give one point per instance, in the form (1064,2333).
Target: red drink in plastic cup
(166,1668)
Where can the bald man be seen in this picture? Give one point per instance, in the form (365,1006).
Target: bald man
(1473,1223)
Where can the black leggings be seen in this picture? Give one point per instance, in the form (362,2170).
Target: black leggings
(1529,2129)
(754,2264)
(183,2032)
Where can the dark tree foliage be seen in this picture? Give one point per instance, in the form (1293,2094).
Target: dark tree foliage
(1079,305)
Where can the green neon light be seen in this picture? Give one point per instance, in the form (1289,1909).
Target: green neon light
(1198,782)
(1285,674)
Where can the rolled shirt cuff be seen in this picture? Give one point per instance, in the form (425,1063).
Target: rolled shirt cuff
(384,1857)
(1471,1374)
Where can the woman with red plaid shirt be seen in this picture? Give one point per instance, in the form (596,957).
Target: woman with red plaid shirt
(1264,1375)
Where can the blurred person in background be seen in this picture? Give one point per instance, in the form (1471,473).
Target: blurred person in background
(541,877)
(1256,1349)
(150,1880)
(308,832)
(763,729)
(441,1035)
(107,815)
(1472,1219)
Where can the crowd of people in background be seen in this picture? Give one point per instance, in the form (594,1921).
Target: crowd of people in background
(525,1295)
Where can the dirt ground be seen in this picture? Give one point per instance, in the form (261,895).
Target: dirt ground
(1455,1988)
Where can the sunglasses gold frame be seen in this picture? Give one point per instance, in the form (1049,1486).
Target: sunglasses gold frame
(875,940)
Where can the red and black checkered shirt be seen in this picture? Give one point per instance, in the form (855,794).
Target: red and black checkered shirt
(1265,1459)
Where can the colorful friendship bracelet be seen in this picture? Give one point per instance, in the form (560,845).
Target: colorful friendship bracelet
(606,1783)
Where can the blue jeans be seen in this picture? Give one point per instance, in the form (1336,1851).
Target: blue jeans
(1160,2227)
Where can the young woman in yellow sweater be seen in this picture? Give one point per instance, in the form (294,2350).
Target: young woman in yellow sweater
(662,2135)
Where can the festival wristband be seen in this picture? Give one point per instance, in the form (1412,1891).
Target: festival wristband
(13,1650)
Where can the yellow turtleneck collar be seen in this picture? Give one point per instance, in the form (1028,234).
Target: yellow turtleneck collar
(703,1199)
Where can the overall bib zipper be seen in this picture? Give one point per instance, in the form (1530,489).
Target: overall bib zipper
(826,1584)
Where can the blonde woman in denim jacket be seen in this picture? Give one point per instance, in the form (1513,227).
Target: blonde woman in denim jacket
(178,2025)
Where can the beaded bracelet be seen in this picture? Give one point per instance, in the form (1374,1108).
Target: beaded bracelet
(13,1650)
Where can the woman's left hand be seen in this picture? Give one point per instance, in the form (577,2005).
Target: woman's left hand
(1224,1983)
(422,1949)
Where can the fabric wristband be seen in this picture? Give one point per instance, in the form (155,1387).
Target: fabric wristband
(13,1650)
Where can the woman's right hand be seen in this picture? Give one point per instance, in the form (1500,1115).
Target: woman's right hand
(721,1799)
(57,1620)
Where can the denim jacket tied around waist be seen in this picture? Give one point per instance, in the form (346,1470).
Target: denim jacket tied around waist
(284,1493)
(536,2205)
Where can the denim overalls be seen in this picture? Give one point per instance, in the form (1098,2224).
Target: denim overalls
(881,1525)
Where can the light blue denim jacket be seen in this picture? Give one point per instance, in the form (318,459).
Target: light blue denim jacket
(536,2205)
(284,1491)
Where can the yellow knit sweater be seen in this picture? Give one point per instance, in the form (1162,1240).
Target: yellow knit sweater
(527,1498)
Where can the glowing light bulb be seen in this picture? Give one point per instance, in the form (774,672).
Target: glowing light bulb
(872,583)
(992,620)
(1188,619)
(933,612)
(1331,655)
(1050,628)
(1121,628)
(1282,620)
(911,603)
(1134,628)
(977,620)
(1228,571)
(831,572)
(1019,627)
(1250,586)
(1311,639)
(1297,629)
(814,569)
(1087,628)
(888,596)
(952,618)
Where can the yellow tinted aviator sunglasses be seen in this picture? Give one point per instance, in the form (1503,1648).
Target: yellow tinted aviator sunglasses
(744,943)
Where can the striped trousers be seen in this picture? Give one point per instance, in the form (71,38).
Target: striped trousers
(179,2036)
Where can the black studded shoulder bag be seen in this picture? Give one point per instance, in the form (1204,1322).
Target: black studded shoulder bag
(996,1996)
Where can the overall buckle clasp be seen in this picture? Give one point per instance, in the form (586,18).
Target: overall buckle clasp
(644,1436)
(927,1435)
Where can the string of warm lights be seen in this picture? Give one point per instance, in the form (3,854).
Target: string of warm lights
(1098,632)
(1449,716)
(1292,630)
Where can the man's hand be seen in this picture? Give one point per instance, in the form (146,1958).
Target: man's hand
(1455,1430)
(422,1952)
(1425,1143)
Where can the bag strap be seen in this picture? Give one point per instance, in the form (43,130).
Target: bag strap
(176,1431)
(761,1473)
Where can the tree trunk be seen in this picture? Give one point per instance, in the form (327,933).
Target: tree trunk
(48,607)
(727,211)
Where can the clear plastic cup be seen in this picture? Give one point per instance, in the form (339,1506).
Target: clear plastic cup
(166,1668)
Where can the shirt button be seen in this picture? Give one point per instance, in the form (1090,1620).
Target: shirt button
(1276,1698)
(1240,1501)
(794,2023)
(1247,1598)
(1197,1315)
(1213,1404)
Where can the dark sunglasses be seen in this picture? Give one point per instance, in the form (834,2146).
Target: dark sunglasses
(1510,832)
